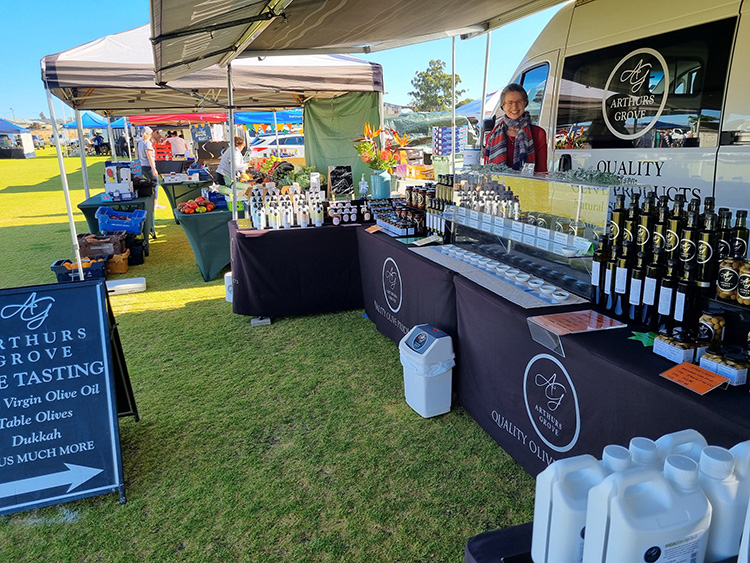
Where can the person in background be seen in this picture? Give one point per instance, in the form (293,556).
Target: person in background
(224,170)
(146,155)
(98,142)
(515,141)
(179,145)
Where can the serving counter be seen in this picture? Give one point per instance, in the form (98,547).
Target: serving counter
(294,271)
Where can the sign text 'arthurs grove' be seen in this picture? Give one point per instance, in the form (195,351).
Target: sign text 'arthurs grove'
(58,426)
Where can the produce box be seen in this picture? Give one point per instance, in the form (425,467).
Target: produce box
(67,271)
(118,263)
(92,245)
(110,220)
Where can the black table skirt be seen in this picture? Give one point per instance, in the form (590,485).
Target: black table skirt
(295,271)
(541,407)
(402,289)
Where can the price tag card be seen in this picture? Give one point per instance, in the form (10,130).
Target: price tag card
(695,378)
(499,221)
(518,237)
(474,215)
(543,244)
(498,230)
(561,238)
(529,239)
(461,211)
(582,244)
(529,229)
(516,226)
(473,223)
(374,228)
(541,232)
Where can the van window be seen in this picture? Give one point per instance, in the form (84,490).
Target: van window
(533,81)
(664,91)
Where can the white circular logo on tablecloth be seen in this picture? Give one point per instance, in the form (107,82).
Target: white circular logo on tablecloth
(635,94)
(392,289)
(552,402)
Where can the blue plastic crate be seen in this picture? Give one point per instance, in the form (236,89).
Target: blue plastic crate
(91,271)
(129,221)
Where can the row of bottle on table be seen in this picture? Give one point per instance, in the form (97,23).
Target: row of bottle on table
(421,210)
(675,499)
(656,263)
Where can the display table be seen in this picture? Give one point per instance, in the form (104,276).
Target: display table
(294,271)
(540,406)
(182,191)
(208,236)
(402,289)
(89,207)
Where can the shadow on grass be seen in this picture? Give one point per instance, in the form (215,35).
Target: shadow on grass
(94,166)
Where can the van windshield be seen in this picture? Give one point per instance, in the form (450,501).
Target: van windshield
(664,91)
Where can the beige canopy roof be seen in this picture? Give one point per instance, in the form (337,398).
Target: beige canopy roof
(114,75)
(189,35)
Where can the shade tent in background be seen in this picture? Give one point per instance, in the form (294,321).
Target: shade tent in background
(25,150)
(473,109)
(89,120)
(188,37)
(176,120)
(114,75)
(268,117)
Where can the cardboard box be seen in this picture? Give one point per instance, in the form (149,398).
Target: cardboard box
(105,245)
(118,263)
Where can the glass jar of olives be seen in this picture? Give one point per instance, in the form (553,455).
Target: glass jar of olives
(729,276)
(743,284)
(711,327)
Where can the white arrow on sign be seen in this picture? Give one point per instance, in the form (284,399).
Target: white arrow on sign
(75,476)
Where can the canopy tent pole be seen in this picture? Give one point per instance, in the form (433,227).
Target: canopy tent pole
(484,96)
(64,179)
(82,151)
(453,104)
(230,117)
(276,131)
(126,124)
(111,136)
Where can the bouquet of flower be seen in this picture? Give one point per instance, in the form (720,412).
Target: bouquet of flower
(376,156)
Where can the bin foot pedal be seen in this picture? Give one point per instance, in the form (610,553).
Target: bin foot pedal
(259,321)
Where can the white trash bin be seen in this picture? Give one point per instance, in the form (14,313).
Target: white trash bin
(428,359)
(228,293)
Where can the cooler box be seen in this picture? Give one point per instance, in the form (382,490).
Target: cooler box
(428,359)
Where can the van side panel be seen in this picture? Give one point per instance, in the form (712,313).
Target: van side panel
(733,166)
(602,23)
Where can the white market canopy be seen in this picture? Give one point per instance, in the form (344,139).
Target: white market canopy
(190,35)
(114,75)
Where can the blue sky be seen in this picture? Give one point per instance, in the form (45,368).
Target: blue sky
(34,29)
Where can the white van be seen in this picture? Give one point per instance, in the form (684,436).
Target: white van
(655,90)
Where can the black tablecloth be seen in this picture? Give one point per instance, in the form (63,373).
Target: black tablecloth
(402,289)
(295,271)
(541,407)
(208,236)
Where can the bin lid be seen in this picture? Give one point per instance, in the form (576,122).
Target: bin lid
(422,337)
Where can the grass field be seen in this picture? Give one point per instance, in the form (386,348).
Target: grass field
(284,443)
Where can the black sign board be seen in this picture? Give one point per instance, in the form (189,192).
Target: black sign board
(340,181)
(59,437)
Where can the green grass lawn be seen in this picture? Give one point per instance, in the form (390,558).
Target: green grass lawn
(283,443)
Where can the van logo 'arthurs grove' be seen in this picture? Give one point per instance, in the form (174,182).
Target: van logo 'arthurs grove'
(392,289)
(551,402)
(636,93)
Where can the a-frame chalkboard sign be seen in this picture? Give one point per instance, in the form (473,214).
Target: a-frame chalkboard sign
(63,382)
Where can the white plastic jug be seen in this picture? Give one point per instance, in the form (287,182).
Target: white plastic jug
(644,452)
(687,442)
(640,515)
(616,458)
(741,453)
(716,477)
(560,508)
(744,556)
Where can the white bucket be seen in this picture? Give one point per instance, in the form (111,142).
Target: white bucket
(687,442)
(716,477)
(560,508)
(642,515)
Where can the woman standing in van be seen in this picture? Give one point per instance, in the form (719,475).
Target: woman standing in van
(515,141)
